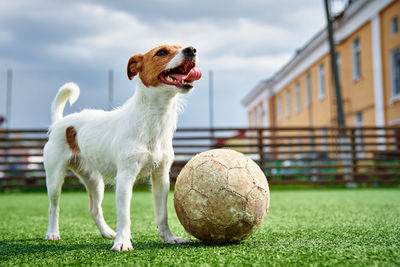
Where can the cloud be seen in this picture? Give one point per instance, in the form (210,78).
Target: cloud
(116,34)
(6,37)
(266,63)
(97,35)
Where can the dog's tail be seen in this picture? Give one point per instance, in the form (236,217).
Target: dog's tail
(69,91)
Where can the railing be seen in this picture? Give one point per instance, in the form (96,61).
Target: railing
(368,155)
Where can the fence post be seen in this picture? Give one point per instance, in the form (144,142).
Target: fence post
(212,138)
(261,147)
(353,151)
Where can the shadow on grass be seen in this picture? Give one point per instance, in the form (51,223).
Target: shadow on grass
(144,245)
(38,245)
(17,247)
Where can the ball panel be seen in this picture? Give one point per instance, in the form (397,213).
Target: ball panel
(207,231)
(198,160)
(228,158)
(182,216)
(256,206)
(225,208)
(194,205)
(183,182)
(210,177)
(239,231)
(240,181)
(257,174)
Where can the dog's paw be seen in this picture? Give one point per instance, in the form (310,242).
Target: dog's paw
(122,246)
(175,240)
(109,233)
(52,236)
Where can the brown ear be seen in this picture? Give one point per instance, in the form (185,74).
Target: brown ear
(134,65)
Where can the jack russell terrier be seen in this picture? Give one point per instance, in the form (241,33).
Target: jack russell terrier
(127,143)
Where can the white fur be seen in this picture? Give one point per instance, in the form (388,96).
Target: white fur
(127,143)
(69,91)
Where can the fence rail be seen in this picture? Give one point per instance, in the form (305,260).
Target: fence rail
(322,155)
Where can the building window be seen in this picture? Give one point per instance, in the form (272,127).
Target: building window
(321,81)
(338,64)
(297,97)
(356,59)
(288,108)
(395,73)
(395,25)
(260,116)
(253,118)
(279,108)
(308,84)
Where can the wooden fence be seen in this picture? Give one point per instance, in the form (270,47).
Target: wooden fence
(368,155)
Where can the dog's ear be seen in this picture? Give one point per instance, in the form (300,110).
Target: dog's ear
(134,65)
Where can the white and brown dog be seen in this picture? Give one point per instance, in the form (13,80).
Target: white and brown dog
(125,144)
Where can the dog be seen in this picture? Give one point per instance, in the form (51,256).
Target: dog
(125,144)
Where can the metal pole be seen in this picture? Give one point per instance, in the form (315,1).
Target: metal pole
(339,103)
(211,98)
(8,98)
(211,105)
(111,89)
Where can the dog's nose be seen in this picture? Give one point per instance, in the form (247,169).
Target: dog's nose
(189,51)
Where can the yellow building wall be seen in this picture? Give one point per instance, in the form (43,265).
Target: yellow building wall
(388,44)
(358,95)
(321,108)
(320,111)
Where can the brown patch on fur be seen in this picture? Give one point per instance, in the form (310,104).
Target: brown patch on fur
(149,66)
(70,134)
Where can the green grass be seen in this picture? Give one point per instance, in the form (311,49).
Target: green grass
(303,228)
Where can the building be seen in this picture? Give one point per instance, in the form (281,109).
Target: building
(367,41)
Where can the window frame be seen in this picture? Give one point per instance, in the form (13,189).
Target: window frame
(394,25)
(279,108)
(356,57)
(288,103)
(395,96)
(298,97)
(321,77)
(308,88)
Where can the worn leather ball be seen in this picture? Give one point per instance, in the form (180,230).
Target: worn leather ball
(221,196)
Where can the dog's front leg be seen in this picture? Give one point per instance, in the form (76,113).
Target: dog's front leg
(123,195)
(160,182)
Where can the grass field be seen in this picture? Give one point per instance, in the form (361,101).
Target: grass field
(303,228)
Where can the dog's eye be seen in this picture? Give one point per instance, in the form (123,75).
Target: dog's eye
(161,52)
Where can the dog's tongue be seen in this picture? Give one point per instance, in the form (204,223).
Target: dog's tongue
(193,75)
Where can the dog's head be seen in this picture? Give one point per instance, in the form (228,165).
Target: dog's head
(166,65)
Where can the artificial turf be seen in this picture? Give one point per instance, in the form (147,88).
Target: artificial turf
(303,228)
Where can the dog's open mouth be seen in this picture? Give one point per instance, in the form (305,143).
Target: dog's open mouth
(182,76)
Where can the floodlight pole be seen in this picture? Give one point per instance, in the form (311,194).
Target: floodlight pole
(339,103)
(8,98)
(211,98)
(211,104)
(111,88)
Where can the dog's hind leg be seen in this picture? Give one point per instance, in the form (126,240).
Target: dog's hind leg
(95,186)
(55,174)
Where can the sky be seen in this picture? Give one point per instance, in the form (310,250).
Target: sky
(47,43)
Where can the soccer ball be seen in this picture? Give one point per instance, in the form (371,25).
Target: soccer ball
(221,196)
